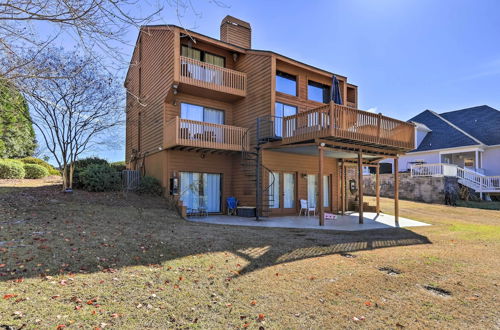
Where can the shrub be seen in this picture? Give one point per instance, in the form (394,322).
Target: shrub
(100,177)
(34,171)
(150,186)
(32,160)
(81,164)
(11,169)
(119,166)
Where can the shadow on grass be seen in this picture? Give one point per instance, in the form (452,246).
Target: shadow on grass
(45,232)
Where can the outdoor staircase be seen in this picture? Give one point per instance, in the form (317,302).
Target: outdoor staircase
(478,182)
(256,172)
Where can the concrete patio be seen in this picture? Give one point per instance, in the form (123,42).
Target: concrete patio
(347,222)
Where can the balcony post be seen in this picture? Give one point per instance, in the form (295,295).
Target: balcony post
(332,118)
(320,187)
(377,187)
(378,127)
(342,187)
(396,190)
(360,185)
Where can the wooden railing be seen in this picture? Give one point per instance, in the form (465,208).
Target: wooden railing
(211,76)
(338,121)
(185,132)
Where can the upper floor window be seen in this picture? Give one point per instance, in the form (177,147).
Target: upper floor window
(318,92)
(199,113)
(203,56)
(286,83)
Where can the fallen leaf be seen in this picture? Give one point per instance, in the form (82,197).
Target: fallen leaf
(10,295)
(261,317)
(253,303)
(367,303)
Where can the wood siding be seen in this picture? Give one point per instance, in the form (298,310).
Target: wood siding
(147,83)
(302,164)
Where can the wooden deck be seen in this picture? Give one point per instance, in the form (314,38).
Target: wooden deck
(197,134)
(212,77)
(338,122)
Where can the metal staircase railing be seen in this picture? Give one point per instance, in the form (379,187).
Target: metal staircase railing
(253,168)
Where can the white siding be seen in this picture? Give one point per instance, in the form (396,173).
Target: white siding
(419,137)
(428,157)
(491,161)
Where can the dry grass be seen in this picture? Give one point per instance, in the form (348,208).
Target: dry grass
(98,260)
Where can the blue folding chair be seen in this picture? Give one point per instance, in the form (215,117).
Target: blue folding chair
(231,203)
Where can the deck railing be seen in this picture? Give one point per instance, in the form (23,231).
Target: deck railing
(469,178)
(185,132)
(333,120)
(211,76)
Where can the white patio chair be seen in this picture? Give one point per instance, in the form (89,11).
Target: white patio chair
(311,208)
(306,208)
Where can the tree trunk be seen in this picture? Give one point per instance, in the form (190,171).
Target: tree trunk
(71,171)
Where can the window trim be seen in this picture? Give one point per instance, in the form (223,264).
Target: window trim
(202,54)
(319,85)
(204,108)
(288,76)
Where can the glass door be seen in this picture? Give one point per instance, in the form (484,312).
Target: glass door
(201,191)
(282,194)
(312,190)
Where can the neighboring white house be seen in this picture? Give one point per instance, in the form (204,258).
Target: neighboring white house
(468,138)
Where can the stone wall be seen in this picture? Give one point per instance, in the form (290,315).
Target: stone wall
(422,189)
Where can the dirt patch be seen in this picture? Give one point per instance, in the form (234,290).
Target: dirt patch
(390,271)
(437,291)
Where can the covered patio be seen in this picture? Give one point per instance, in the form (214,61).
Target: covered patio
(347,222)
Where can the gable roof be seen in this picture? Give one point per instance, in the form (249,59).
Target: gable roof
(482,122)
(443,135)
(466,127)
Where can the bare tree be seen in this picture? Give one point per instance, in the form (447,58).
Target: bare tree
(96,26)
(75,112)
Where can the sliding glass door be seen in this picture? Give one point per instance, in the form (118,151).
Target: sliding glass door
(201,191)
(312,190)
(282,192)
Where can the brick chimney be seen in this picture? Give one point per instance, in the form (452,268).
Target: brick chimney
(236,32)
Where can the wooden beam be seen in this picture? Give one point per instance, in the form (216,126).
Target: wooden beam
(377,188)
(396,190)
(355,147)
(360,185)
(320,187)
(342,188)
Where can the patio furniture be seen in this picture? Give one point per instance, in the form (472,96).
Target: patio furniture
(304,206)
(231,203)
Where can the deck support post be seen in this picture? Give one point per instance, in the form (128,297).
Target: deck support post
(396,191)
(360,185)
(320,187)
(342,188)
(377,187)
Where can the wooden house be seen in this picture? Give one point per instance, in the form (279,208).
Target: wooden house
(214,118)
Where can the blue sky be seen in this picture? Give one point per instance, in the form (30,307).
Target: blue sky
(405,56)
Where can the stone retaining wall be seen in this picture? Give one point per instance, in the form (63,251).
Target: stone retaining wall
(422,189)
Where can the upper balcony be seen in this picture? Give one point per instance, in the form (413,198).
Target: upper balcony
(344,124)
(210,80)
(181,132)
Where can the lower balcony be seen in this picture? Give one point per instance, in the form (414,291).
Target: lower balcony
(342,123)
(200,135)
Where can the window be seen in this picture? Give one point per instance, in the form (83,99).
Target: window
(318,92)
(199,113)
(286,83)
(203,56)
(282,110)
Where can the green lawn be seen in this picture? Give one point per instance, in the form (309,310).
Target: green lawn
(100,260)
